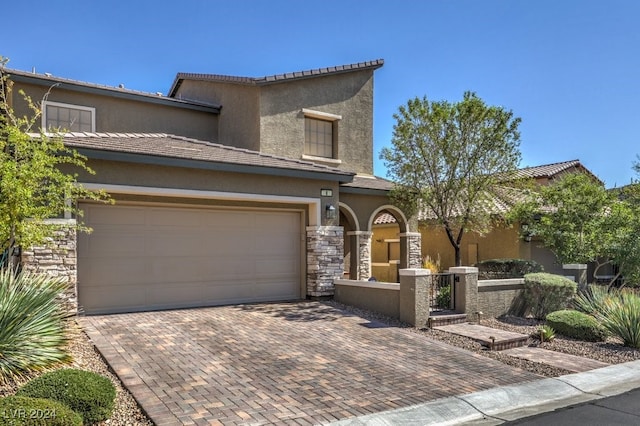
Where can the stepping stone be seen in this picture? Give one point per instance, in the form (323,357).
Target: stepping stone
(494,339)
(576,364)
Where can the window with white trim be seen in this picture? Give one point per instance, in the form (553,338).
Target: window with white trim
(320,134)
(66,117)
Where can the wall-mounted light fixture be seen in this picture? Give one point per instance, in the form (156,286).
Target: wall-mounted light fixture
(326,192)
(330,212)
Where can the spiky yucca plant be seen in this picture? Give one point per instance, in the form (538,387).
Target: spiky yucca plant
(621,316)
(594,299)
(32,331)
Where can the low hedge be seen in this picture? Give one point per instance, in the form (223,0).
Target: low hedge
(577,324)
(545,293)
(23,411)
(496,269)
(89,394)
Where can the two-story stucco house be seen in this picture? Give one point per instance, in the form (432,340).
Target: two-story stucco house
(228,190)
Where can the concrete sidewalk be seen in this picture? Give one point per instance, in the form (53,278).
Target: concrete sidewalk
(507,403)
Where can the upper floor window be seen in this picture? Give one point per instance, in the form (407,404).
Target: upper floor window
(70,118)
(320,133)
(318,136)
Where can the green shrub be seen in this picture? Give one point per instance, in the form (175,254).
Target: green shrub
(544,293)
(22,410)
(443,299)
(32,333)
(89,394)
(621,316)
(577,324)
(495,269)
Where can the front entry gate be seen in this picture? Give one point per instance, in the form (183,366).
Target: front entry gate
(441,292)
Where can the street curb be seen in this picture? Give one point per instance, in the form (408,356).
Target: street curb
(506,403)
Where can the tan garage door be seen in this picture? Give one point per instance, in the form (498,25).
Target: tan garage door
(142,257)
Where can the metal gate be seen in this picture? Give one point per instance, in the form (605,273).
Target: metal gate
(442,292)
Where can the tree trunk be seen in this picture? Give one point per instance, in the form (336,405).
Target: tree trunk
(458,257)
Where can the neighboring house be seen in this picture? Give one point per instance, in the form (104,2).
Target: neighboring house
(501,242)
(229,190)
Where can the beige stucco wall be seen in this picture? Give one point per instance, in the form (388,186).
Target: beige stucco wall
(349,95)
(239,123)
(501,242)
(115,114)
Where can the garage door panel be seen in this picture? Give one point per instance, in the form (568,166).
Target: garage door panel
(102,299)
(128,216)
(116,244)
(151,257)
(101,270)
(174,218)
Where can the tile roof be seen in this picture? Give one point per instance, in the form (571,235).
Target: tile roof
(178,147)
(258,81)
(369,182)
(552,170)
(51,80)
(384,219)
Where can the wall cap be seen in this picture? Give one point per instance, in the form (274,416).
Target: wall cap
(368,284)
(579,266)
(414,272)
(463,270)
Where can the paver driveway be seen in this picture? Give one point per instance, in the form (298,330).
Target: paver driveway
(293,363)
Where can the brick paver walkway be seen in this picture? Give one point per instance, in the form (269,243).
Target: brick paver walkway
(294,363)
(576,364)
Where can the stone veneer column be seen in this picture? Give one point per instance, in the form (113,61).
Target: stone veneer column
(361,245)
(410,250)
(325,259)
(57,258)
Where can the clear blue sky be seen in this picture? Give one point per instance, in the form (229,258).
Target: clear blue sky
(570,68)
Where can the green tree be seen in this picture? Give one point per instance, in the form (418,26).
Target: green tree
(582,222)
(37,179)
(449,161)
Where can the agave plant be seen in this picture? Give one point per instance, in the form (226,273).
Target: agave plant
(32,331)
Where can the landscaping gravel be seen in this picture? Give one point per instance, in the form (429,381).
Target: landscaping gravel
(611,351)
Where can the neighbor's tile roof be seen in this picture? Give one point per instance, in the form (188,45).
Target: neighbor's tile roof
(552,170)
(171,146)
(257,81)
(384,219)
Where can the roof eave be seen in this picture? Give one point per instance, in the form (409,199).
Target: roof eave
(112,92)
(157,160)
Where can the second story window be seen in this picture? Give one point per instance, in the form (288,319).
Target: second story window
(320,134)
(70,118)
